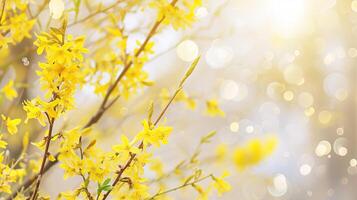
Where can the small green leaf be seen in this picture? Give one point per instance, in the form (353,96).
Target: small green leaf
(106,182)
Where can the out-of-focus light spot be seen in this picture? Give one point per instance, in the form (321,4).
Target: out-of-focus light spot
(246,126)
(294,75)
(288,95)
(218,55)
(325,117)
(309,111)
(329,58)
(296,52)
(234,126)
(306,99)
(323,148)
(242,92)
(336,85)
(56,8)
(275,90)
(187,50)
(249,129)
(25,61)
(280,186)
(353,162)
(305,169)
(201,12)
(352,52)
(287,16)
(340,131)
(354,6)
(340,146)
(229,89)
(342,151)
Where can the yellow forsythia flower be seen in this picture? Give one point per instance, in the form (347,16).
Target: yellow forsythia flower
(174,15)
(254,152)
(20,196)
(3,144)
(203,193)
(126,146)
(11,124)
(9,90)
(221,151)
(157,166)
(33,111)
(212,108)
(181,97)
(220,184)
(154,136)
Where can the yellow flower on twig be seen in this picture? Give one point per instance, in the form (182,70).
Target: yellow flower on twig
(11,124)
(213,109)
(9,90)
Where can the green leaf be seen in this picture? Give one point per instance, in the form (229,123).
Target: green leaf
(105,186)
(106,182)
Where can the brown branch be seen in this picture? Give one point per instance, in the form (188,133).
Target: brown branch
(45,155)
(89,196)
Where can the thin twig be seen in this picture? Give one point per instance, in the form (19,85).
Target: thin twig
(132,155)
(179,187)
(2,10)
(94,14)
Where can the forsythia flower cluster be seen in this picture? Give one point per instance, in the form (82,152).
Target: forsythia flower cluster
(112,70)
(174,15)
(14,23)
(60,75)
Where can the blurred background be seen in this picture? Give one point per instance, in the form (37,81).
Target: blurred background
(277,67)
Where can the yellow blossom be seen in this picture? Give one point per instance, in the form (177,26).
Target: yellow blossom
(34,111)
(11,124)
(9,90)
(254,152)
(212,108)
(125,146)
(3,143)
(220,184)
(175,15)
(154,136)
(221,151)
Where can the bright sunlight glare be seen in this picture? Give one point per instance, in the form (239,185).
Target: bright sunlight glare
(287,16)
